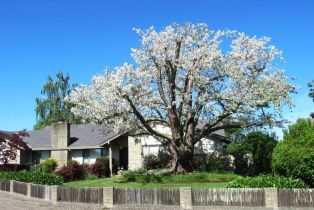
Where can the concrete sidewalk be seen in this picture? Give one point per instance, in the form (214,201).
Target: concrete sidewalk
(20,202)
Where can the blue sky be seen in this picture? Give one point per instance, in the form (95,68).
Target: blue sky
(79,37)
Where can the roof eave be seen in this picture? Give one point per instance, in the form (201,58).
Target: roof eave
(107,141)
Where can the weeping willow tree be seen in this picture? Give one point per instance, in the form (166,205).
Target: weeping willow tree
(51,107)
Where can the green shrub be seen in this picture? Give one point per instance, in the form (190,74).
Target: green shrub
(151,162)
(294,156)
(144,176)
(103,160)
(48,166)
(252,152)
(70,162)
(89,176)
(212,162)
(160,161)
(267,181)
(35,177)
(15,167)
(141,176)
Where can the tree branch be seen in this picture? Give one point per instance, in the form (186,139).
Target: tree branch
(143,121)
(159,84)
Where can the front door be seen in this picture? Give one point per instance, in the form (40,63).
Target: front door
(124,158)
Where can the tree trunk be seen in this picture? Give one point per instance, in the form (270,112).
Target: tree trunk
(181,160)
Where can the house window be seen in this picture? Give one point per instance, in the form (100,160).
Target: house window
(90,155)
(162,149)
(104,152)
(86,156)
(76,155)
(152,149)
(39,156)
(145,150)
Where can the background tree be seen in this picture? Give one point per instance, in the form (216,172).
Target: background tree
(192,80)
(311,86)
(294,156)
(252,152)
(9,144)
(240,150)
(52,107)
(262,146)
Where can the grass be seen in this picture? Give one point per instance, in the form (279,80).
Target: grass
(200,177)
(195,180)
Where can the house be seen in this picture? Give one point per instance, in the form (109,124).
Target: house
(86,142)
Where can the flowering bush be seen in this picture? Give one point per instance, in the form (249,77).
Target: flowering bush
(72,172)
(101,167)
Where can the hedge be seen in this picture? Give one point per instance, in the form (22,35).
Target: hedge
(35,177)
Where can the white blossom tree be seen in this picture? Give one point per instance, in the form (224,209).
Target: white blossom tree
(194,81)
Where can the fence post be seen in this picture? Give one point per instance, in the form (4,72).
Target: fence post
(28,190)
(11,186)
(186,197)
(108,197)
(54,193)
(271,197)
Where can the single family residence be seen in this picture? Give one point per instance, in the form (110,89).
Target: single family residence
(84,143)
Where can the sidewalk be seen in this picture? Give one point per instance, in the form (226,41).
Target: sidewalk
(19,202)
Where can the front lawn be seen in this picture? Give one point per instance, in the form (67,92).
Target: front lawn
(196,180)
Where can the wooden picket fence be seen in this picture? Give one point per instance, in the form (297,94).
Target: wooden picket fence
(296,198)
(5,185)
(80,195)
(20,187)
(175,197)
(146,196)
(40,191)
(228,197)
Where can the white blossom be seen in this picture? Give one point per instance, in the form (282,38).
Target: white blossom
(234,78)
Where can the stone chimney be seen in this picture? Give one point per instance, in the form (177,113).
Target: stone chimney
(60,137)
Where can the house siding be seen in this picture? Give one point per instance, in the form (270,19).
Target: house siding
(135,154)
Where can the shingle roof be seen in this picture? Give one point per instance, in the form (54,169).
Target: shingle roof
(6,134)
(81,136)
(39,139)
(89,135)
(201,124)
